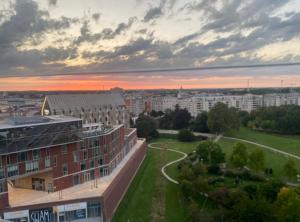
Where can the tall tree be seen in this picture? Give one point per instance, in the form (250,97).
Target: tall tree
(146,127)
(289,169)
(181,119)
(200,123)
(221,118)
(239,156)
(257,160)
(210,152)
(288,203)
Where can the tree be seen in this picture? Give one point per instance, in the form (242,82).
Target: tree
(270,189)
(239,156)
(154,113)
(249,210)
(289,169)
(210,152)
(221,118)
(257,160)
(188,189)
(288,203)
(146,127)
(200,123)
(185,136)
(166,122)
(181,118)
(186,173)
(201,184)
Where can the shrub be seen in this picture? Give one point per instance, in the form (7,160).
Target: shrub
(214,180)
(214,169)
(199,168)
(185,136)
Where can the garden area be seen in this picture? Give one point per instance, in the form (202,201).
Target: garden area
(206,188)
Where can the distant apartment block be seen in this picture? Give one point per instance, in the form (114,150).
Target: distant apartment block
(204,102)
(56,168)
(108,109)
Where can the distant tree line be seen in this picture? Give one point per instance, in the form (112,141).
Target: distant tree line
(218,120)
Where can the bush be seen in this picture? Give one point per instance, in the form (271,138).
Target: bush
(185,136)
(214,169)
(214,180)
(232,173)
(199,168)
(257,177)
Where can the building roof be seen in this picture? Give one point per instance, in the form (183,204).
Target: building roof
(72,101)
(30,121)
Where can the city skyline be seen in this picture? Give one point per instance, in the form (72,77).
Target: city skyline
(41,39)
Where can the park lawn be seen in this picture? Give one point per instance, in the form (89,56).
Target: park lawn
(150,194)
(146,191)
(290,144)
(273,160)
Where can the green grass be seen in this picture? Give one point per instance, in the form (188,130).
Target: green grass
(137,204)
(273,160)
(290,144)
(139,201)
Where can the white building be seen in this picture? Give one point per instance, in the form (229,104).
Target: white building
(281,99)
(169,102)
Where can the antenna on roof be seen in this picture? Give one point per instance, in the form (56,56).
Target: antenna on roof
(248,85)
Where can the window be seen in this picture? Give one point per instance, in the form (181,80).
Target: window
(92,164)
(22,157)
(76,179)
(32,166)
(2,174)
(83,166)
(81,145)
(96,152)
(85,155)
(65,169)
(47,162)
(96,142)
(64,148)
(2,187)
(35,154)
(8,159)
(75,157)
(92,172)
(12,170)
(100,161)
(103,171)
(54,161)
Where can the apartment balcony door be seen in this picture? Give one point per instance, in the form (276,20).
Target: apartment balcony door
(38,184)
(87,177)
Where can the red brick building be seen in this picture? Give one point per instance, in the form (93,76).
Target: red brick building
(56,169)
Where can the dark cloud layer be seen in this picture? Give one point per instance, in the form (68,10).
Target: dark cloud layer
(30,24)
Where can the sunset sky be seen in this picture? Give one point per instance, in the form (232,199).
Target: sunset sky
(61,44)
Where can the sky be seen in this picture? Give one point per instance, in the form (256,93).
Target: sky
(62,44)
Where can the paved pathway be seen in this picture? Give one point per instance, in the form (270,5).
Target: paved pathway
(236,139)
(163,169)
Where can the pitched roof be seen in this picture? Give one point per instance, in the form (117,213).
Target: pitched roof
(72,101)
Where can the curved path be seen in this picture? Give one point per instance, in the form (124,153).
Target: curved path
(163,169)
(208,135)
